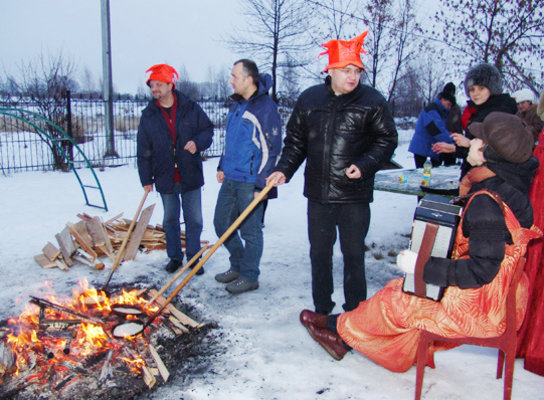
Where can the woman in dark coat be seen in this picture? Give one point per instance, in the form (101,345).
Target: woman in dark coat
(492,236)
(483,84)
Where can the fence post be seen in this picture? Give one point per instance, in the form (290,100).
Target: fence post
(68,148)
(106,68)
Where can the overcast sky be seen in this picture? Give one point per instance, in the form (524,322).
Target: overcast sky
(143,33)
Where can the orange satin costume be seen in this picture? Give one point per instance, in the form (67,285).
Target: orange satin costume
(385,327)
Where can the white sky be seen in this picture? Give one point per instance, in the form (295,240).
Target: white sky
(143,33)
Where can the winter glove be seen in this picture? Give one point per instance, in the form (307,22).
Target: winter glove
(406,261)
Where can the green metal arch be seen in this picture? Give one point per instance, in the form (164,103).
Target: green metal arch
(13,112)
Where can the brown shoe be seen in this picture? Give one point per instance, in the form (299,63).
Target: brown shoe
(309,317)
(330,341)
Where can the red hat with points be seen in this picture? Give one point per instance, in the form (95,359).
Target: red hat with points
(163,73)
(345,52)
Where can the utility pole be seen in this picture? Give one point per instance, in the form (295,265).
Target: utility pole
(106,78)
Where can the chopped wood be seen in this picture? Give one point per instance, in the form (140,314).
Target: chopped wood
(66,244)
(136,236)
(44,261)
(98,233)
(79,232)
(106,371)
(61,264)
(50,251)
(184,319)
(149,379)
(160,364)
(178,325)
(109,221)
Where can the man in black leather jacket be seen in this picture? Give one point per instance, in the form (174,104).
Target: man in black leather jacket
(346,133)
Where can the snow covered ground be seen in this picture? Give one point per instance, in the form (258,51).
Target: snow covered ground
(263,352)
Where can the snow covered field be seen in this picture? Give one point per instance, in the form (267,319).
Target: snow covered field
(264,352)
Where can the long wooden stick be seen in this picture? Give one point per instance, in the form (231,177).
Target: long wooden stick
(221,240)
(178,274)
(125,241)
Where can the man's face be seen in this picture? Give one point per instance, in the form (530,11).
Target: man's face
(344,80)
(160,90)
(240,81)
(479,94)
(524,105)
(446,103)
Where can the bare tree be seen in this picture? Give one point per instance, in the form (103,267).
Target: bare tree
(507,33)
(186,86)
(47,82)
(274,27)
(390,43)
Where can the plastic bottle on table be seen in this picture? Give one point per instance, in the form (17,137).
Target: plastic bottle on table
(427,166)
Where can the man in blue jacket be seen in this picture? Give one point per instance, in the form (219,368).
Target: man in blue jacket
(252,144)
(431,128)
(173,131)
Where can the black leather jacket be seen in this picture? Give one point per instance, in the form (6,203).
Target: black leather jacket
(333,132)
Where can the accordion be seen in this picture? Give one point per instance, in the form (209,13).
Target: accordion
(433,234)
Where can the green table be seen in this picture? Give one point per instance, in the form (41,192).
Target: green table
(408,181)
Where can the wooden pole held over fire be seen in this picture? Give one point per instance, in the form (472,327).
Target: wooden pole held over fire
(125,241)
(221,240)
(178,274)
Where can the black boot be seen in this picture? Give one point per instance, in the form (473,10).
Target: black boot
(173,266)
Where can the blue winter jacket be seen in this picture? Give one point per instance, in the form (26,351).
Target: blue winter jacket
(253,137)
(155,149)
(430,129)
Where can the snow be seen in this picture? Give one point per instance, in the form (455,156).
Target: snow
(265,352)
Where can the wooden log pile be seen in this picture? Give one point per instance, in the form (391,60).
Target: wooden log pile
(89,239)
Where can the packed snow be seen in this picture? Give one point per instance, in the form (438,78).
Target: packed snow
(263,352)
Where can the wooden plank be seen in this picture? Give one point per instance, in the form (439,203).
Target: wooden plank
(184,319)
(79,232)
(66,244)
(109,221)
(50,251)
(44,261)
(98,233)
(162,368)
(137,233)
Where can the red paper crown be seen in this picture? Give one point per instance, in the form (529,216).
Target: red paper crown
(345,52)
(163,73)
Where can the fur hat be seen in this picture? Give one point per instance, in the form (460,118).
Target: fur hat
(540,107)
(448,93)
(486,75)
(506,134)
(523,95)
(345,52)
(163,73)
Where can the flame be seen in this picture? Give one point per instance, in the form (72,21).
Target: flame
(32,347)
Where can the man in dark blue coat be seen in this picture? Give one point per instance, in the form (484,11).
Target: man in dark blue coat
(173,131)
(252,145)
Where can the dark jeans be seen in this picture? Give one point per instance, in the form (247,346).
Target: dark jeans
(352,221)
(233,198)
(192,215)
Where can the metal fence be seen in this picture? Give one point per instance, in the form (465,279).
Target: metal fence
(22,148)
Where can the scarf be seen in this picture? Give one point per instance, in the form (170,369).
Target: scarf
(475,175)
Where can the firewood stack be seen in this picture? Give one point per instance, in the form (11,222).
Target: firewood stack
(90,238)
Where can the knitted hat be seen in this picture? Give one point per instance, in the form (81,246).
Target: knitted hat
(523,95)
(345,52)
(163,73)
(486,75)
(448,93)
(506,134)
(540,107)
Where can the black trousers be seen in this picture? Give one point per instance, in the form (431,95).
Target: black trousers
(351,221)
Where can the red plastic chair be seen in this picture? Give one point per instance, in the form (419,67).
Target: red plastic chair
(506,343)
